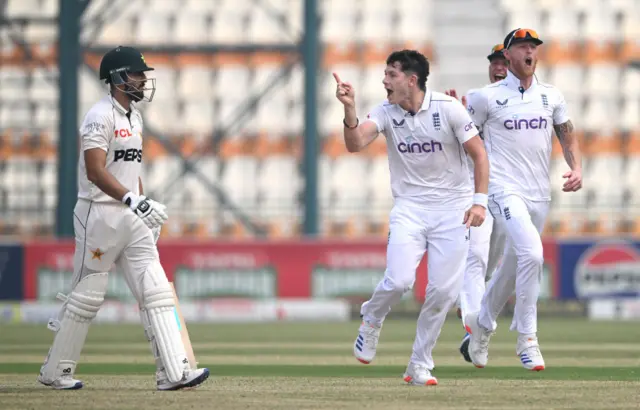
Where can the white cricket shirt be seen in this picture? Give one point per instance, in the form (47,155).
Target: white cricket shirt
(517,128)
(108,127)
(427,162)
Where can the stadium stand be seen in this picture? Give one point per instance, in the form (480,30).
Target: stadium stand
(589,45)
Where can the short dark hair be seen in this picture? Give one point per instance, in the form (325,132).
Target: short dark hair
(412,61)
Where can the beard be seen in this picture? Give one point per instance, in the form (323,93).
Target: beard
(136,94)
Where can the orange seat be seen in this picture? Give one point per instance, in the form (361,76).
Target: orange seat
(282,146)
(597,144)
(268,58)
(335,54)
(152,147)
(636,226)
(633,144)
(555,52)
(594,51)
(231,146)
(630,51)
(342,229)
(374,53)
(425,47)
(233,229)
(334,147)
(260,146)
(378,229)
(377,148)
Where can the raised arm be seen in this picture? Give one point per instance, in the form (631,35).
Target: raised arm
(356,136)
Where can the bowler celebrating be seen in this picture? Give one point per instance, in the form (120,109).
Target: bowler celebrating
(427,135)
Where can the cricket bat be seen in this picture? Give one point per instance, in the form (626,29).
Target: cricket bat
(184,333)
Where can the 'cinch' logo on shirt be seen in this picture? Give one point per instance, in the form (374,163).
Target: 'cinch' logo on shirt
(526,124)
(418,147)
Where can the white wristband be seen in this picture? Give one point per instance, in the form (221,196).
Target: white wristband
(127,198)
(480,199)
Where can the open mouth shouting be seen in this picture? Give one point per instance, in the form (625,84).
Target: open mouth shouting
(528,61)
(500,76)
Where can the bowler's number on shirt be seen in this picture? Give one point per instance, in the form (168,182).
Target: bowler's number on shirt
(128,155)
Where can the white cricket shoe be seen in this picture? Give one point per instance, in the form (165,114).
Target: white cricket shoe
(479,341)
(419,375)
(192,378)
(64,382)
(528,350)
(364,348)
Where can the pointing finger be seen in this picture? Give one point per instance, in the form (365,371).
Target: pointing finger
(335,75)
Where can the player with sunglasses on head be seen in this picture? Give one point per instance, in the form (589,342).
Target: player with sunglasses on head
(517,117)
(486,244)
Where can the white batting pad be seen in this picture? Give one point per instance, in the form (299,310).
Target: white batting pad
(148,332)
(160,307)
(71,328)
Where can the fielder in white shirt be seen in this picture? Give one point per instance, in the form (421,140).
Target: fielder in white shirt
(486,244)
(428,135)
(517,117)
(115,224)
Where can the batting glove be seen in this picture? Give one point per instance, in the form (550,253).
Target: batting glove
(151,212)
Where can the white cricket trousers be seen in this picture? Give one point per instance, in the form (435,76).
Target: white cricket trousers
(522,220)
(486,245)
(108,234)
(412,230)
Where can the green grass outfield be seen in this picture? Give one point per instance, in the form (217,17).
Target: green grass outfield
(590,365)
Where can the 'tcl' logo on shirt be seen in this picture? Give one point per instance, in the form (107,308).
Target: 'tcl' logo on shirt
(123,133)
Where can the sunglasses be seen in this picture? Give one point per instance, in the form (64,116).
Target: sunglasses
(522,33)
(497,48)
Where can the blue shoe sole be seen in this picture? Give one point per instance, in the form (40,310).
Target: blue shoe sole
(464,349)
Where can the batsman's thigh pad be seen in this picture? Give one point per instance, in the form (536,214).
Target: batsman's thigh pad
(72,325)
(140,262)
(159,304)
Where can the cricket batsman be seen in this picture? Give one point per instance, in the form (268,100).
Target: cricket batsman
(517,117)
(115,223)
(486,244)
(429,135)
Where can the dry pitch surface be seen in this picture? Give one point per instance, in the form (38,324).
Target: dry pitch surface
(591,365)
